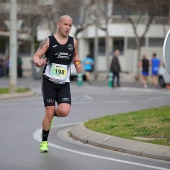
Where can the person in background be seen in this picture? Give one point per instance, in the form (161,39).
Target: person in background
(155,63)
(144,63)
(6,66)
(88,63)
(19,66)
(1,66)
(115,68)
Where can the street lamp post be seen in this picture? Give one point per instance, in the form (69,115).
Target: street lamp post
(13,46)
(96,41)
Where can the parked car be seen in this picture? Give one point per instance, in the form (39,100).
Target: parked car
(73,73)
(163,77)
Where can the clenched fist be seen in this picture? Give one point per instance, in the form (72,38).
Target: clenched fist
(41,62)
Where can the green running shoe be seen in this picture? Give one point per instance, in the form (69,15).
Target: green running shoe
(44,146)
(52,122)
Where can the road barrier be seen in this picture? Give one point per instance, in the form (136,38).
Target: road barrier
(110,80)
(79,79)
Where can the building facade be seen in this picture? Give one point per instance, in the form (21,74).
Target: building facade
(119,35)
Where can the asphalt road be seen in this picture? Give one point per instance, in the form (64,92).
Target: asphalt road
(21,119)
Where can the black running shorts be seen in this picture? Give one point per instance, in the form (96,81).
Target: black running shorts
(53,92)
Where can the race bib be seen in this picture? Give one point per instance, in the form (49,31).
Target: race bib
(58,71)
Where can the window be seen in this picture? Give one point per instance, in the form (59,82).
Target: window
(118,43)
(156,42)
(131,43)
(101,46)
(2,45)
(24,47)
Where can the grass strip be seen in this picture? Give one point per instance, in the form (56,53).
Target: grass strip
(152,125)
(5,90)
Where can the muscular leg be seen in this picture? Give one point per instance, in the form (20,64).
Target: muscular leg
(87,76)
(50,95)
(113,83)
(49,113)
(144,81)
(118,80)
(62,110)
(155,80)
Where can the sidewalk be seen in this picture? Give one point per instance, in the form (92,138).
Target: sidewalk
(133,147)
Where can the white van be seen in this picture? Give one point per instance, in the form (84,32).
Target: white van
(163,76)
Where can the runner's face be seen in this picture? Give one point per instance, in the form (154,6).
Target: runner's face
(65,26)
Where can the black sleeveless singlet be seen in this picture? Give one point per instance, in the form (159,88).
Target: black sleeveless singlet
(59,58)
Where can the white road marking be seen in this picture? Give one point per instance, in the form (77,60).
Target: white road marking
(88,97)
(37,136)
(120,101)
(7,104)
(159,98)
(136,89)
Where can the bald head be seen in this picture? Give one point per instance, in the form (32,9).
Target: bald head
(64,17)
(64,25)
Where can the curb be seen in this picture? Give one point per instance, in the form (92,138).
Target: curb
(80,133)
(17,95)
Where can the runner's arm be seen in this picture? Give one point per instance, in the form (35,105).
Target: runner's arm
(37,59)
(140,63)
(150,63)
(76,59)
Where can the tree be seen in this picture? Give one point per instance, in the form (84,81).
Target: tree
(106,12)
(145,13)
(80,15)
(85,20)
(30,13)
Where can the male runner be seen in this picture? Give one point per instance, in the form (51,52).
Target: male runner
(155,63)
(88,63)
(144,63)
(59,49)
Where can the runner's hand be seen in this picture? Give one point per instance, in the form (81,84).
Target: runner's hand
(78,67)
(41,62)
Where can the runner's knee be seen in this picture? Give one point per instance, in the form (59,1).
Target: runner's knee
(63,110)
